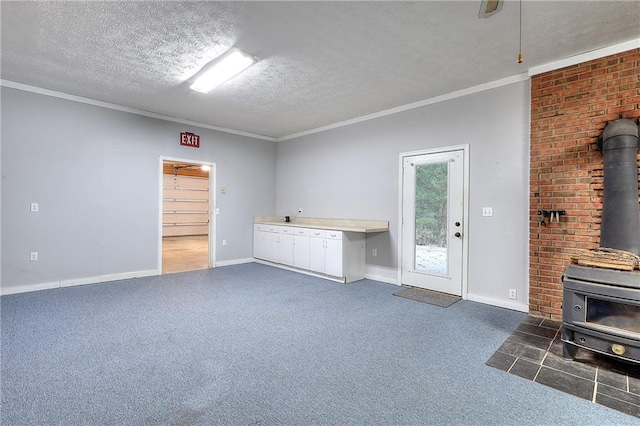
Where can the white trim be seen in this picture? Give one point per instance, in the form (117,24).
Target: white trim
(515,306)
(80,99)
(299,271)
(235,262)
(128,275)
(430,101)
(383,274)
(437,99)
(77,281)
(5,291)
(212,207)
(585,57)
(80,281)
(382,279)
(465,210)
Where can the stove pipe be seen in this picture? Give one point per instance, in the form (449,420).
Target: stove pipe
(620,228)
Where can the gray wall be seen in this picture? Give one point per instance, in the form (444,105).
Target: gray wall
(353,172)
(95,174)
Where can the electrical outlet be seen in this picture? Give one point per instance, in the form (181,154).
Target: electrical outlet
(224,242)
(487,211)
(217,211)
(374,252)
(34,207)
(513,293)
(34,255)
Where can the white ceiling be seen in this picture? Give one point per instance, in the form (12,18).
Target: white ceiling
(319,62)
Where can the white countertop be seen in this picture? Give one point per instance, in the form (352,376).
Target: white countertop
(347,225)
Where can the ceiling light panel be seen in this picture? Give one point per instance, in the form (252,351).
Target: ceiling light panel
(221,69)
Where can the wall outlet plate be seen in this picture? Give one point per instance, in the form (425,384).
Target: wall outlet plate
(513,293)
(34,255)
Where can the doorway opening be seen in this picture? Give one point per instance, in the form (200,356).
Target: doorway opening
(187,228)
(433,214)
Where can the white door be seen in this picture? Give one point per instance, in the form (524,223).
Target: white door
(432,221)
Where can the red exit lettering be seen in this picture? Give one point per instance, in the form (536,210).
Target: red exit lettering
(190,139)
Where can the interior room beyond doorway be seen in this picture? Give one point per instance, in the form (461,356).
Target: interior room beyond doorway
(185,217)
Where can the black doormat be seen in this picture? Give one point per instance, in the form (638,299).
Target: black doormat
(427,296)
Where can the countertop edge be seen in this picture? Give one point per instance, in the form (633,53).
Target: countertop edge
(328,227)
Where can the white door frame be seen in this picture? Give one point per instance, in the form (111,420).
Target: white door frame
(465,209)
(212,207)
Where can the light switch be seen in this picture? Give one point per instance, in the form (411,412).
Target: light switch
(34,207)
(487,211)
(217,211)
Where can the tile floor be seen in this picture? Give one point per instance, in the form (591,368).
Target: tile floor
(534,352)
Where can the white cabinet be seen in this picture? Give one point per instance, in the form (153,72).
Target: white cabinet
(335,254)
(265,242)
(326,252)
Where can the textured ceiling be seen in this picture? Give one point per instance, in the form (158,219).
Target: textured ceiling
(319,62)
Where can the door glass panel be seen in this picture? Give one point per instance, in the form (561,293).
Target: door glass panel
(431,218)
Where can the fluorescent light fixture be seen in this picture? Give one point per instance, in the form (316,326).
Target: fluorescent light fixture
(224,67)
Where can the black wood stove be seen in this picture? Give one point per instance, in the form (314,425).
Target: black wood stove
(601,307)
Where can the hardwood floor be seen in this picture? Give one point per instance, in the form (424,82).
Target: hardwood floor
(181,254)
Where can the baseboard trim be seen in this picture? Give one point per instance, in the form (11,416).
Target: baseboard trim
(514,306)
(5,291)
(234,261)
(77,281)
(383,279)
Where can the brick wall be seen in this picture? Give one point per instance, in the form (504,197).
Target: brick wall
(569,109)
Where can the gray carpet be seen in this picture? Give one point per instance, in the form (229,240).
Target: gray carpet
(426,296)
(252,344)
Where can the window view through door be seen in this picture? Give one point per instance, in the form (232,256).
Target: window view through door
(432,221)
(431,218)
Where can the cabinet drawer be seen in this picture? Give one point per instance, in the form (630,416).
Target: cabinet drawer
(266,228)
(317,233)
(305,232)
(333,235)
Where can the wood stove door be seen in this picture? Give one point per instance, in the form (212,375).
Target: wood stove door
(432,221)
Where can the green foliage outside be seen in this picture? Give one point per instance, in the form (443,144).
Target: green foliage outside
(431,204)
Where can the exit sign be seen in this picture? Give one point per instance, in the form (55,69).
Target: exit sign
(190,139)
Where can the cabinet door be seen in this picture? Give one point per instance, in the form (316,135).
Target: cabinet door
(301,255)
(259,248)
(285,248)
(333,257)
(270,241)
(317,254)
